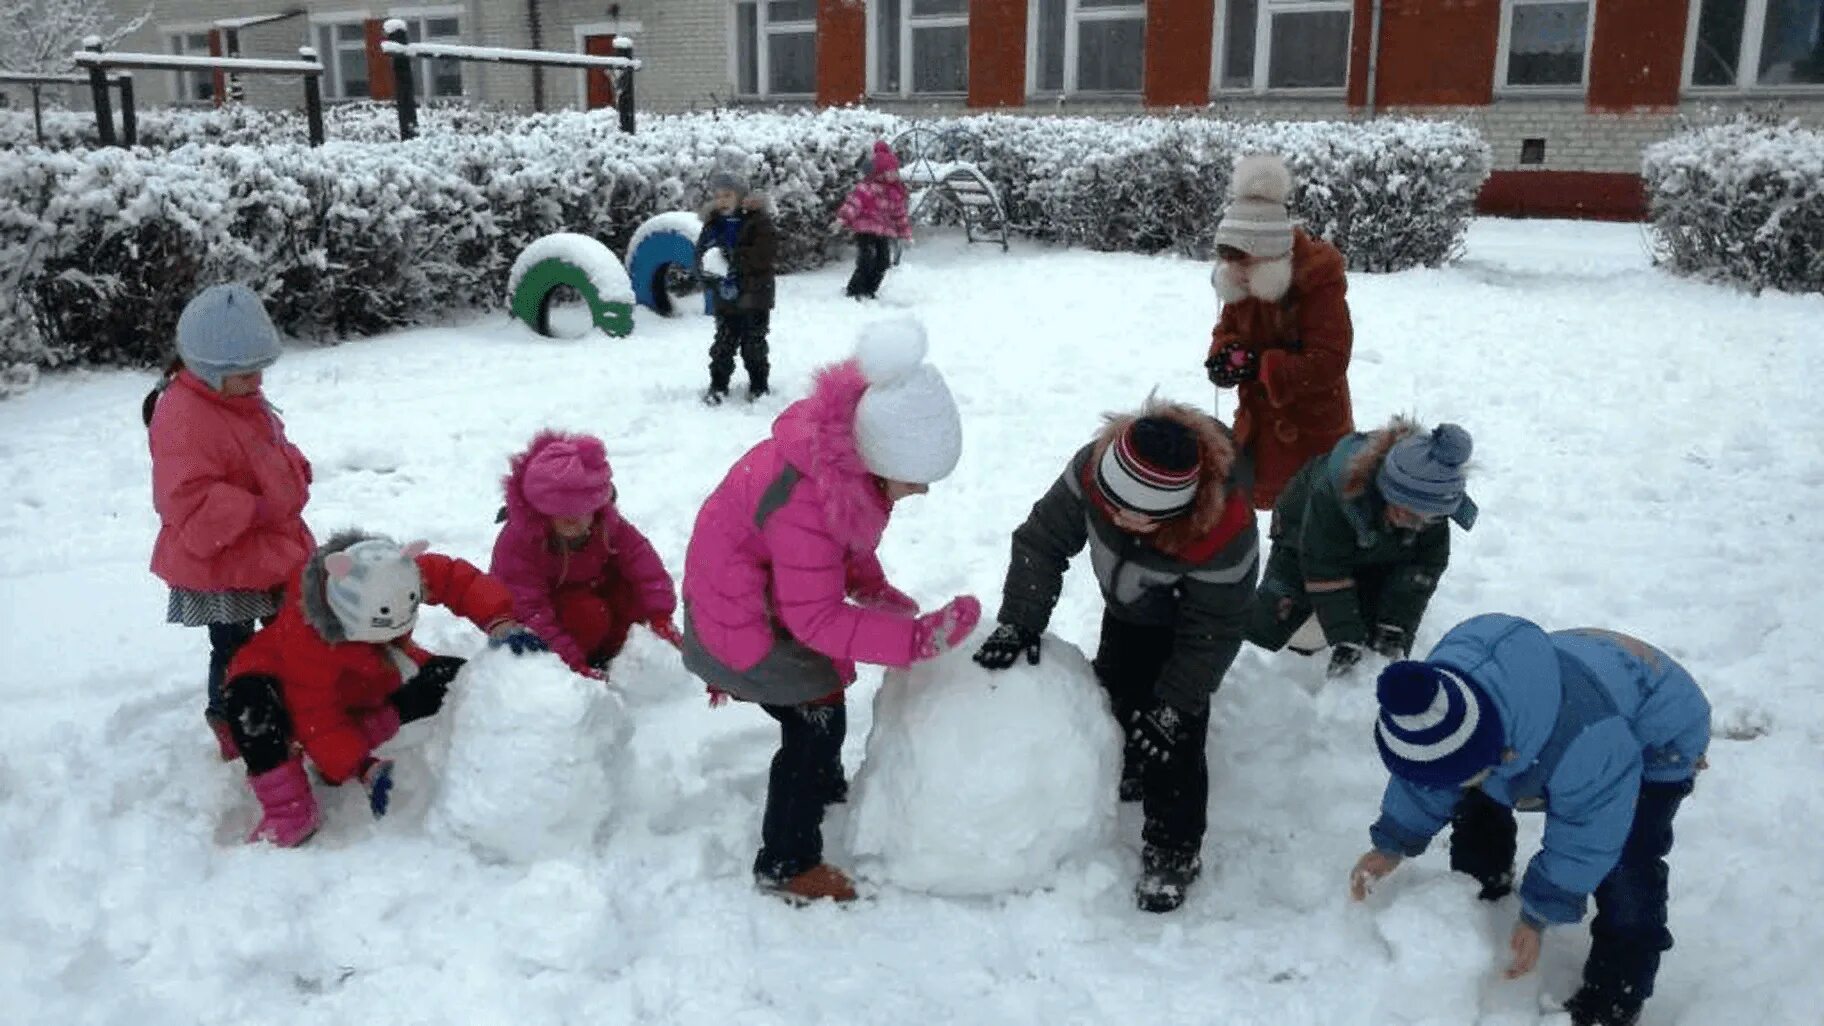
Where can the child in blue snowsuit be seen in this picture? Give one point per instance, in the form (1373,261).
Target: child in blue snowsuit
(1603,732)
(740,224)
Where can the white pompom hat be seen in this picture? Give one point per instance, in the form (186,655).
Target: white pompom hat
(1256,220)
(907,426)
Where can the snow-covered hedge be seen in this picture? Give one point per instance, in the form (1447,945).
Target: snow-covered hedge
(100,248)
(1742,202)
(164,128)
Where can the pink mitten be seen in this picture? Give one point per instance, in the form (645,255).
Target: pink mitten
(943,630)
(888,599)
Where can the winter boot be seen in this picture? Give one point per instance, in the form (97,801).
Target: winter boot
(814,884)
(224,737)
(714,396)
(1165,876)
(1588,1008)
(1496,887)
(288,808)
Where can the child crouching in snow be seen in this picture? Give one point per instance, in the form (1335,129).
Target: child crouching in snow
(876,211)
(338,673)
(580,574)
(784,594)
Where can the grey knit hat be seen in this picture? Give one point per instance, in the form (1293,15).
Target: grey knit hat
(1426,474)
(224,330)
(1256,221)
(733,181)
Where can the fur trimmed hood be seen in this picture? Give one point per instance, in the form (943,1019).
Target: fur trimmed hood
(753,202)
(816,436)
(1217,457)
(313,598)
(519,507)
(1358,474)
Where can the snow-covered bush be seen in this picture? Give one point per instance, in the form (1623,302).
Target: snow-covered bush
(100,248)
(1741,201)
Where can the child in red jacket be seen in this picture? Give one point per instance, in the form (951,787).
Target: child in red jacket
(580,574)
(229,487)
(338,673)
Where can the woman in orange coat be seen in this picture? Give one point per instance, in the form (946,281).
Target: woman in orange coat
(1283,339)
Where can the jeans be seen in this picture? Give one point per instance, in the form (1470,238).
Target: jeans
(810,752)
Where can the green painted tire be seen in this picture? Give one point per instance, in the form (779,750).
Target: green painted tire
(532,299)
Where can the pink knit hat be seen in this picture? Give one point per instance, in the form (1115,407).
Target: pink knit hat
(885,160)
(569,477)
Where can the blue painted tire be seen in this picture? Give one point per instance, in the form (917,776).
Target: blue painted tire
(658,256)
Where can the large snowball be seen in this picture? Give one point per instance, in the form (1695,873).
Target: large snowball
(981,783)
(533,752)
(1437,937)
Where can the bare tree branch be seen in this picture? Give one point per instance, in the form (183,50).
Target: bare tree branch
(40,35)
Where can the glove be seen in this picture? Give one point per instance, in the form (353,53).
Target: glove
(377,780)
(1158,732)
(1343,658)
(728,289)
(423,695)
(1390,641)
(941,631)
(888,599)
(1004,646)
(1233,364)
(664,628)
(520,641)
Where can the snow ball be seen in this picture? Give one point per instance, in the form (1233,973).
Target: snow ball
(1440,950)
(533,758)
(977,782)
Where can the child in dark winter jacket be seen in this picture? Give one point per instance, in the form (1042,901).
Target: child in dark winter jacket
(338,673)
(229,487)
(1360,538)
(1175,551)
(580,574)
(877,212)
(740,224)
(1601,731)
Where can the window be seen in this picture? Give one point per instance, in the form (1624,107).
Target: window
(776,47)
(192,86)
(1088,46)
(436,77)
(921,46)
(342,47)
(1297,44)
(1750,43)
(1545,44)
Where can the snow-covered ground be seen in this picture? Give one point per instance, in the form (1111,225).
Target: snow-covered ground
(1648,458)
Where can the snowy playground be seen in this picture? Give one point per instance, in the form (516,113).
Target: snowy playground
(1647,459)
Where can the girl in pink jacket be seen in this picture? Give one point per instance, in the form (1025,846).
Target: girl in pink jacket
(783,594)
(228,486)
(876,211)
(581,576)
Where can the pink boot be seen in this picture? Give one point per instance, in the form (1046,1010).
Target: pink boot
(289,809)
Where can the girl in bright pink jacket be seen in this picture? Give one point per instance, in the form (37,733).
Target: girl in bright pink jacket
(228,486)
(580,574)
(876,211)
(783,594)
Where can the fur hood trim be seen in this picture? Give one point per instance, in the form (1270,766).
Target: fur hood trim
(816,435)
(1358,474)
(1217,455)
(314,578)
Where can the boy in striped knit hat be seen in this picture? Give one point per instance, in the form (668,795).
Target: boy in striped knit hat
(1174,548)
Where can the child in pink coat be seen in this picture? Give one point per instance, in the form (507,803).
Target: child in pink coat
(580,574)
(784,595)
(876,211)
(228,486)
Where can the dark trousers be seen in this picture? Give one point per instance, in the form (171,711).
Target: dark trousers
(1281,606)
(806,770)
(1629,931)
(225,639)
(1175,793)
(873,256)
(256,716)
(742,331)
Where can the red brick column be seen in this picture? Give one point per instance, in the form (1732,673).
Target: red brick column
(379,63)
(1637,55)
(219,88)
(1432,55)
(997,53)
(842,52)
(1179,34)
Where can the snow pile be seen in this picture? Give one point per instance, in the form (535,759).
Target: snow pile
(596,261)
(981,783)
(1741,201)
(1441,953)
(534,758)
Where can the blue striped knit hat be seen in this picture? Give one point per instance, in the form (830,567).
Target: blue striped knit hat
(1436,726)
(1426,474)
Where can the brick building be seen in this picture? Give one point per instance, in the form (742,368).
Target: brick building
(1566,91)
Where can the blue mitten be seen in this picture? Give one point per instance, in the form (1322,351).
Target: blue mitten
(520,641)
(377,781)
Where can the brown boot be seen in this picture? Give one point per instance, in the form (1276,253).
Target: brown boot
(814,884)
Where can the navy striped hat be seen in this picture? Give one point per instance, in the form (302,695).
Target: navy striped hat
(1151,469)
(1436,727)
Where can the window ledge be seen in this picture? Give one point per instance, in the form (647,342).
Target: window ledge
(1753,92)
(1084,97)
(1541,92)
(1311,93)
